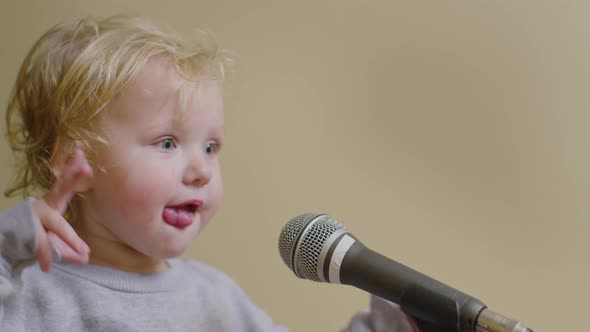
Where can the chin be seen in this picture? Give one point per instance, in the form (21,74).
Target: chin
(172,251)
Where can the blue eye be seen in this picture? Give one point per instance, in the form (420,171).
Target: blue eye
(167,144)
(212,148)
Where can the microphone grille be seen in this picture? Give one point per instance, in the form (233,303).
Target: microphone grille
(289,235)
(301,242)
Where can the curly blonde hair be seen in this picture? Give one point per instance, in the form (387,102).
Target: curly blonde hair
(72,73)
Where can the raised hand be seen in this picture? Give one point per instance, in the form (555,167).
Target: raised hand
(52,228)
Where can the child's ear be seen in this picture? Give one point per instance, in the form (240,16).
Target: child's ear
(61,154)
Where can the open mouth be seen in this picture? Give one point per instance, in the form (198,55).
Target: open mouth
(182,215)
(190,207)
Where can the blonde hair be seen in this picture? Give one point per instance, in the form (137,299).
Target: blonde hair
(72,73)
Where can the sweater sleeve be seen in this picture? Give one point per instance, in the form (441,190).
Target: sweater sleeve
(17,245)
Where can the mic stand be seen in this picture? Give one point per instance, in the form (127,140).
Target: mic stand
(487,321)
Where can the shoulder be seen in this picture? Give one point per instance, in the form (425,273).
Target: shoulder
(225,298)
(210,278)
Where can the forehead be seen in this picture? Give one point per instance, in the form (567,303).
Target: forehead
(157,78)
(159,87)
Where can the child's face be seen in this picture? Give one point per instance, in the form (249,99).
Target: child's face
(161,182)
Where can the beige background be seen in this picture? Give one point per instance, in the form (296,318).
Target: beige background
(448,135)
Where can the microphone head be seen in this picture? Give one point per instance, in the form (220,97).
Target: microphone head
(301,242)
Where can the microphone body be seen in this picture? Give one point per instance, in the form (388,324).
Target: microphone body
(429,301)
(322,250)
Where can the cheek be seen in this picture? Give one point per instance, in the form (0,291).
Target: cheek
(218,188)
(215,196)
(139,189)
(218,196)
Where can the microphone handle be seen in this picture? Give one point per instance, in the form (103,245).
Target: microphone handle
(435,306)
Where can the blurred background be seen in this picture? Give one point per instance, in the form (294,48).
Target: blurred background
(450,136)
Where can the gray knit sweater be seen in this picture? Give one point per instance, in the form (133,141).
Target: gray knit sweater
(189,296)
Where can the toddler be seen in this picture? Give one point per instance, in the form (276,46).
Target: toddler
(119,125)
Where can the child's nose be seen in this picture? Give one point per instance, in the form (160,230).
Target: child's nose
(198,171)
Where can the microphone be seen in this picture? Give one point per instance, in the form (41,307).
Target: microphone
(319,248)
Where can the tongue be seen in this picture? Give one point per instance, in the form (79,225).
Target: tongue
(177,217)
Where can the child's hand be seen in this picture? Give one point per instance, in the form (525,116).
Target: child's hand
(54,229)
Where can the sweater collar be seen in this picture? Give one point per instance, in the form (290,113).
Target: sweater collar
(163,281)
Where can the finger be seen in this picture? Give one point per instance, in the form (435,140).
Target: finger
(44,253)
(414,324)
(74,173)
(53,222)
(66,252)
(43,250)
